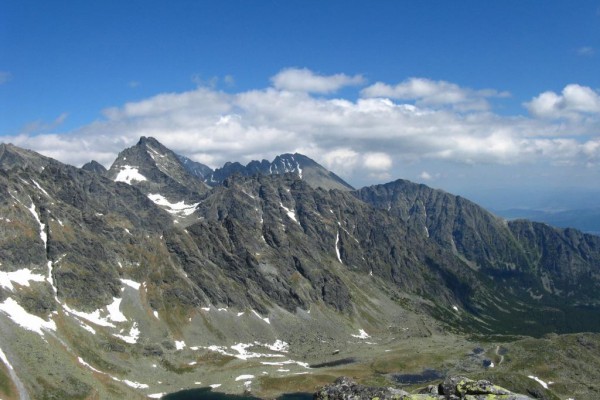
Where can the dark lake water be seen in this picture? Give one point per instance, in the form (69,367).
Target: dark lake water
(411,379)
(208,394)
(334,363)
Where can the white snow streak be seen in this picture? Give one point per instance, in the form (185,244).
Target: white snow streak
(290,213)
(43,234)
(244,377)
(41,188)
(538,380)
(337,248)
(264,319)
(131,284)
(5,360)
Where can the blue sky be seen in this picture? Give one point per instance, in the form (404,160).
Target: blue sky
(467,96)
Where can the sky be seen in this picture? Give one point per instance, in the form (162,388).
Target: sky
(495,101)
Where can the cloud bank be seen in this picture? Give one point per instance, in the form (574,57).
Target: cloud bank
(372,137)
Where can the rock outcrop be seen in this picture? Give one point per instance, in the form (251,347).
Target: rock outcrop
(453,388)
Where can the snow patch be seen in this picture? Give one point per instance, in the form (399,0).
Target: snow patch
(131,284)
(215,385)
(242,352)
(21,277)
(455,308)
(290,213)
(244,377)
(114,312)
(279,345)
(134,335)
(135,385)
(282,363)
(179,344)
(156,395)
(264,319)
(24,319)
(129,174)
(155,314)
(179,208)
(541,382)
(361,334)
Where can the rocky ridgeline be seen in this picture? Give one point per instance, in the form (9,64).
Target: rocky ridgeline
(453,388)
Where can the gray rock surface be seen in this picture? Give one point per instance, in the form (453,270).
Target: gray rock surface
(345,388)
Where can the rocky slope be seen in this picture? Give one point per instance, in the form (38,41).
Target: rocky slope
(555,269)
(452,388)
(127,282)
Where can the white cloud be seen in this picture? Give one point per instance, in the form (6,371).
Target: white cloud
(425,176)
(377,161)
(343,160)
(574,101)
(429,92)
(305,80)
(358,139)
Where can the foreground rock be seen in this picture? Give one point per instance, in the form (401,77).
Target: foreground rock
(345,388)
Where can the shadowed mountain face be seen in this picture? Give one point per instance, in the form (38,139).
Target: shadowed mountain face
(145,254)
(542,265)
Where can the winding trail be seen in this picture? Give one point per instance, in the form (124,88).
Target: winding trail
(497,351)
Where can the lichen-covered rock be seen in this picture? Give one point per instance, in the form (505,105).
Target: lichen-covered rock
(453,388)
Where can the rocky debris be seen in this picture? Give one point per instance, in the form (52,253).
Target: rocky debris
(453,388)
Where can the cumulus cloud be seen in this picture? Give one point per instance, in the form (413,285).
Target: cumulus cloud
(358,139)
(429,92)
(305,80)
(572,102)
(425,176)
(377,161)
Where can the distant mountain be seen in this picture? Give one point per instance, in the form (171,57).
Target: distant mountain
(303,167)
(199,170)
(94,166)
(139,280)
(586,220)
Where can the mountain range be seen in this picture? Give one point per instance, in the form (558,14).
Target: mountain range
(161,272)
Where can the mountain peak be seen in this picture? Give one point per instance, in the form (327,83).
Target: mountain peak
(12,157)
(304,167)
(94,166)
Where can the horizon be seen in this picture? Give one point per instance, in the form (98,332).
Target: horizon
(499,103)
